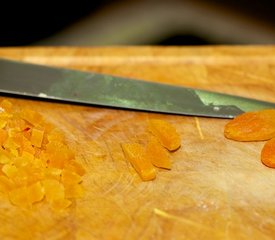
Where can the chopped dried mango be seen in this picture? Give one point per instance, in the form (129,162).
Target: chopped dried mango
(37,137)
(54,190)
(74,191)
(9,170)
(252,126)
(35,161)
(19,197)
(6,105)
(36,191)
(165,133)
(32,117)
(6,184)
(135,154)
(3,136)
(157,154)
(68,177)
(61,204)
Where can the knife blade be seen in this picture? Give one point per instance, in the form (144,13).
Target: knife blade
(59,84)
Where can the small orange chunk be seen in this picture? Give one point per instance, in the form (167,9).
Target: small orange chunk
(20,197)
(6,184)
(74,191)
(6,105)
(61,204)
(135,154)
(54,190)
(76,167)
(252,126)
(36,192)
(3,136)
(9,170)
(157,154)
(268,153)
(68,177)
(31,117)
(165,133)
(37,137)
(3,123)
(4,158)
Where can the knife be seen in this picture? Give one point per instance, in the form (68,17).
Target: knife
(58,84)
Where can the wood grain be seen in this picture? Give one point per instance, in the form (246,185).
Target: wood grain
(217,188)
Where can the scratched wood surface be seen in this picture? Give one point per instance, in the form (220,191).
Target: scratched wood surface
(217,189)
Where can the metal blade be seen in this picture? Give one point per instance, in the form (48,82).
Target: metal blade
(104,90)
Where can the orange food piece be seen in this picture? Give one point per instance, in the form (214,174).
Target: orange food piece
(6,184)
(252,126)
(9,170)
(35,161)
(36,192)
(165,133)
(157,154)
(4,158)
(19,197)
(135,154)
(31,116)
(54,190)
(37,137)
(6,105)
(61,204)
(68,177)
(74,191)
(3,136)
(268,153)
(3,123)
(76,167)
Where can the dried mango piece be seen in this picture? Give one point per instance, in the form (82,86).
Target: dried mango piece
(6,105)
(19,197)
(68,177)
(157,154)
(53,173)
(37,137)
(165,133)
(4,158)
(3,136)
(6,184)
(54,190)
(9,170)
(74,191)
(76,167)
(3,123)
(252,126)
(135,154)
(36,192)
(31,117)
(61,204)
(268,153)
(55,135)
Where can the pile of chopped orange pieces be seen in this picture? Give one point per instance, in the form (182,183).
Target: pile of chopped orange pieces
(36,163)
(255,126)
(163,140)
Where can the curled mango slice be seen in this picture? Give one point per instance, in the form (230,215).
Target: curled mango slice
(268,153)
(252,126)
(135,154)
(157,154)
(165,133)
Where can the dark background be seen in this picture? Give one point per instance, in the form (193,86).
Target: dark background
(67,22)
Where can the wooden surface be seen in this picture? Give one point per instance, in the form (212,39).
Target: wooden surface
(217,188)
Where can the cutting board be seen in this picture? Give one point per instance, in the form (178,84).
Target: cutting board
(217,188)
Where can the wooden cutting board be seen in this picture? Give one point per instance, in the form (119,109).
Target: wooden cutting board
(217,188)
